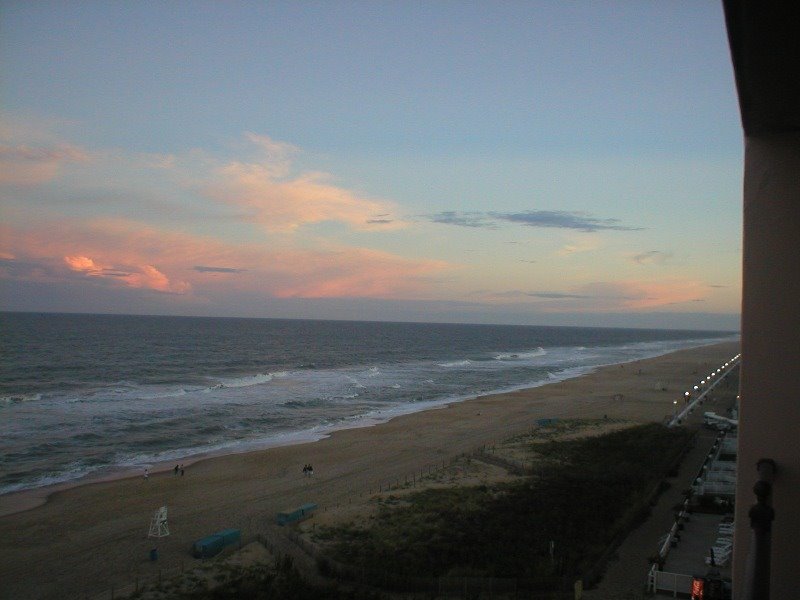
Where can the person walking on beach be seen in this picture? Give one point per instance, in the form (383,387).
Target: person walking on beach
(146,474)
(181,470)
(176,470)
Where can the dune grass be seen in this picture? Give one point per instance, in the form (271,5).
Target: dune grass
(585,491)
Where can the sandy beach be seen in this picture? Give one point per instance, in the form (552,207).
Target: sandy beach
(84,540)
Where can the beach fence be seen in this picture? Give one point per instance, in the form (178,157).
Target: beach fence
(138,583)
(433,469)
(484,453)
(164,576)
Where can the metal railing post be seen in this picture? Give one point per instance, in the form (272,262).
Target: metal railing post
(757,570)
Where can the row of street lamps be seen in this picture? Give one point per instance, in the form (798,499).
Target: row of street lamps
(703,382)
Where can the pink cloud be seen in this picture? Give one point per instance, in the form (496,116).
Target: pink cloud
(105,252)
(151,278)
(138,276)
(278,201)
(129,254)
(356,273)
(26,165)
(83,264)
(609,296)
(639,295)
(263,186)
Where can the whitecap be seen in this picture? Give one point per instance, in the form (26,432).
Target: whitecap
(19,399)
(456,363)
(521,355)
(249,380)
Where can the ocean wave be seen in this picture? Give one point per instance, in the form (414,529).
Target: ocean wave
(456,363)
(248,380)
(126,434)
(19,399)
(569,373)
(521,355)
(313,403)
(356,383)
(165,394)
(72,472)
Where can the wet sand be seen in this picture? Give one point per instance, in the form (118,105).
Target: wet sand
(84,540)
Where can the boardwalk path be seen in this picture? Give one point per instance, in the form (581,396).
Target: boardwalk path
(626,577)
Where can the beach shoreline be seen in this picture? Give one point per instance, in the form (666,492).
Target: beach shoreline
(30,498)
(88,538)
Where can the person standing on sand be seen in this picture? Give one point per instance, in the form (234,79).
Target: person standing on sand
(176,470)
(181,470)
(146,474)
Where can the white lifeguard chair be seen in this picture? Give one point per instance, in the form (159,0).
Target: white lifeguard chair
(158,524)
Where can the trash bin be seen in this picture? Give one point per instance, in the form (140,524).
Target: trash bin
(154,554)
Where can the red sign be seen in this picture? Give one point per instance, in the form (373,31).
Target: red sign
(697,589)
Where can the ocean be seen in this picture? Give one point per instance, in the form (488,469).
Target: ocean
(89,396)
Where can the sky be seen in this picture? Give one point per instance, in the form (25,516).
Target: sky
(541,163)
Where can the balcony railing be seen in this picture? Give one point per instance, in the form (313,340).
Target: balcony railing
(757,571)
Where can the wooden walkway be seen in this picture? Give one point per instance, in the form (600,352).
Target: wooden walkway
(626,576)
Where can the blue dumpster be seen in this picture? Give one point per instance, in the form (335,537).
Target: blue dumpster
(296,515)
(208,546)
(229,536)
(213,544)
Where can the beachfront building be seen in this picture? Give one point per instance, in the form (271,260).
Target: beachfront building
(765,50)
(694,557)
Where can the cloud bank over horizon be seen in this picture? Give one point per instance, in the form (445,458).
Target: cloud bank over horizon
(261,199)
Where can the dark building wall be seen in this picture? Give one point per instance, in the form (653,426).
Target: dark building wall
(769,414)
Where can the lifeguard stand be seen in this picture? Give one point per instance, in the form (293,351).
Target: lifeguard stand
(158,524)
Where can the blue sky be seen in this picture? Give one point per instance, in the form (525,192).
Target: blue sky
(524,162)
